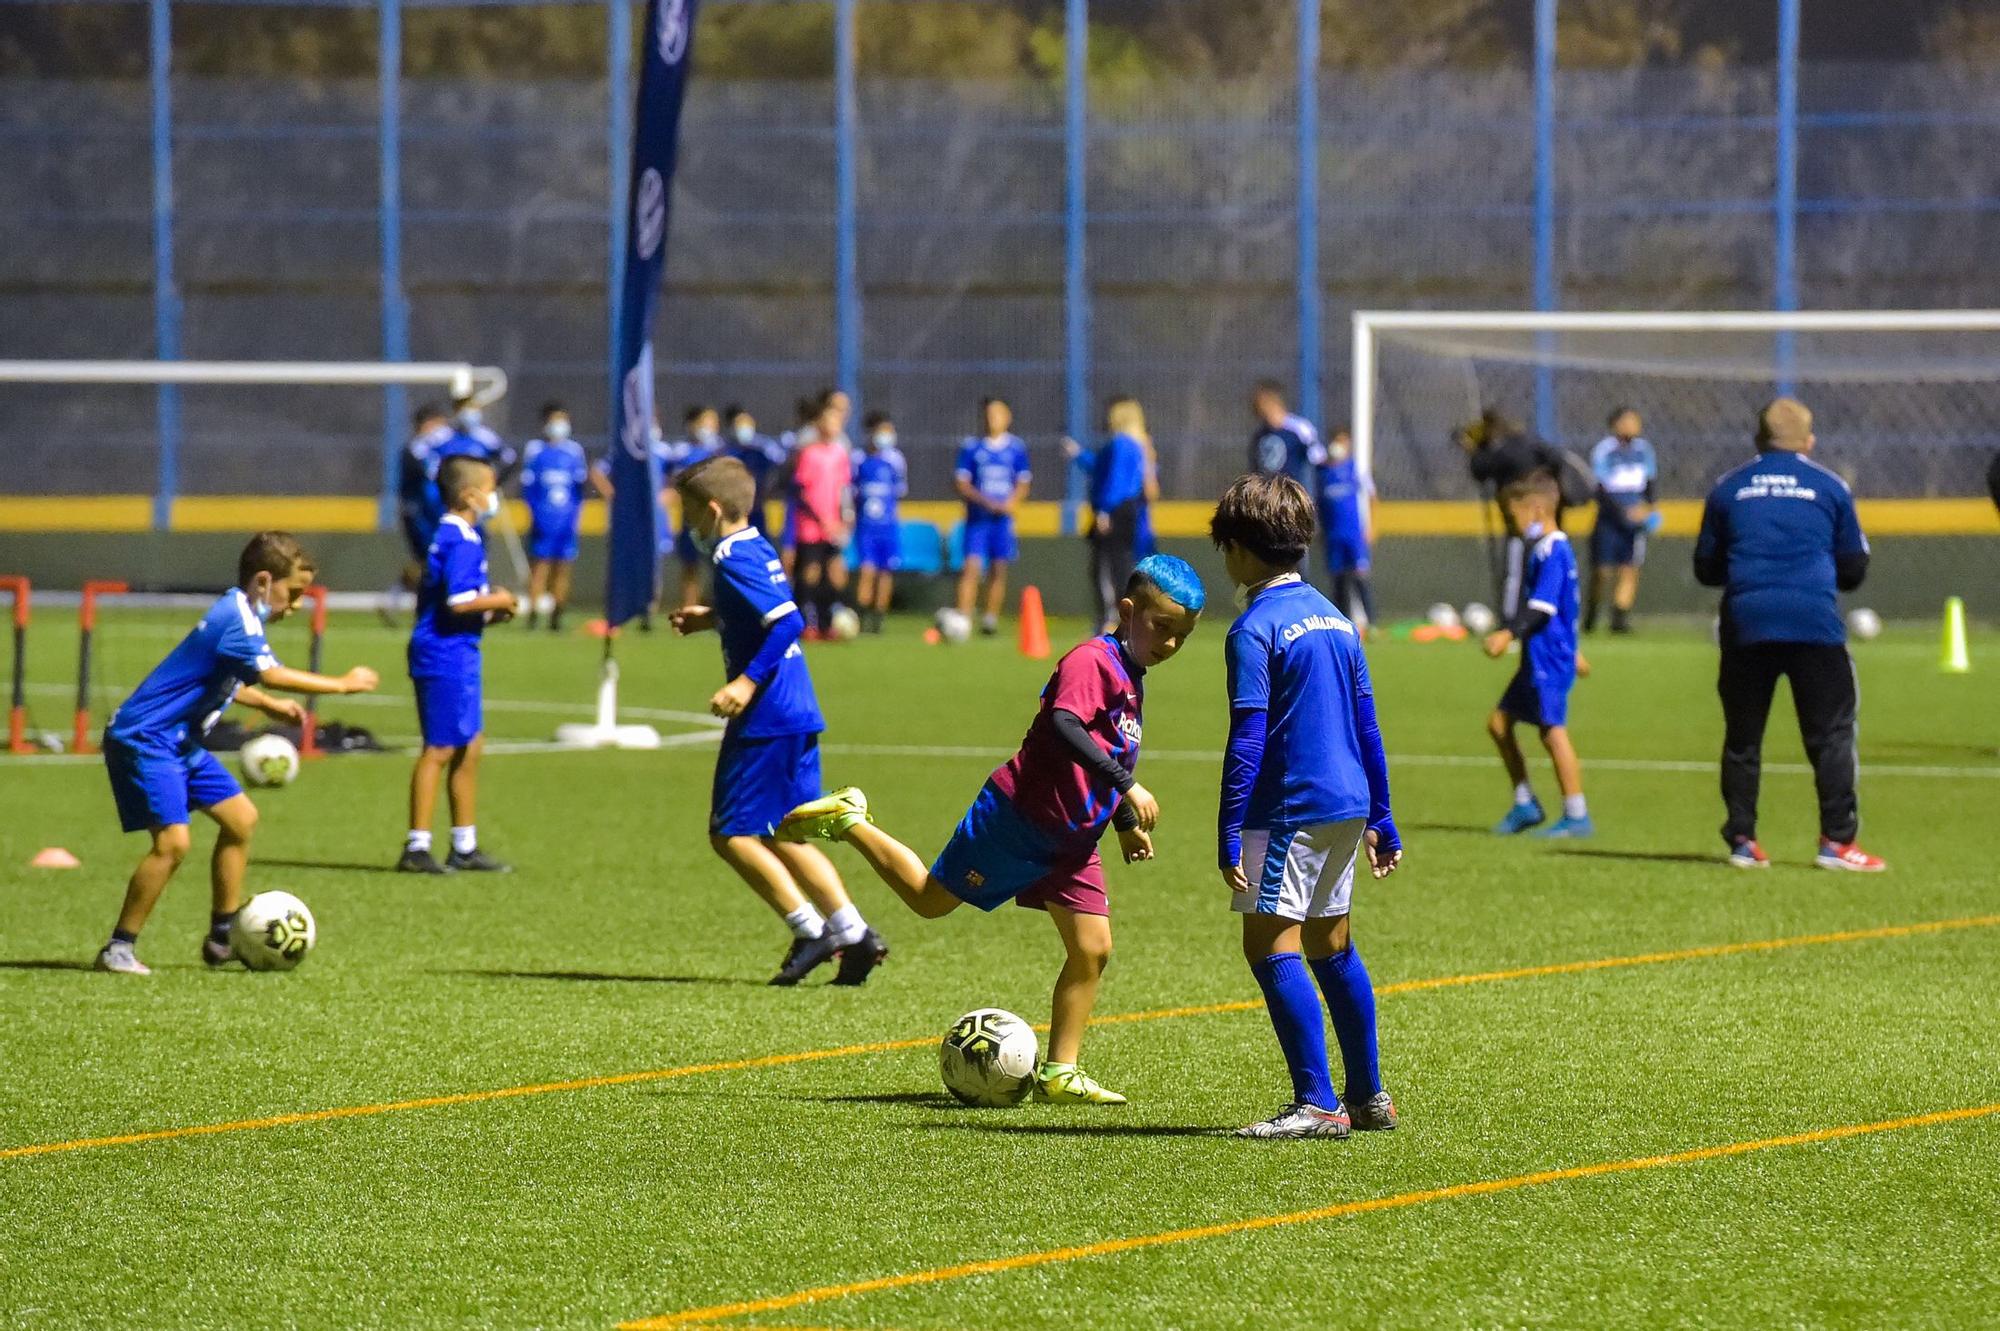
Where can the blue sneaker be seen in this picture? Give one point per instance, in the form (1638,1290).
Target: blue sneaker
(1568,827)
(1520,818)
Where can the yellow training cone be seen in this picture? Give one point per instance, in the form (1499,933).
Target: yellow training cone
(1955,660)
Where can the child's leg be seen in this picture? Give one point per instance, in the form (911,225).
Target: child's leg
(1087,948)
(423,791)
(559,584)
(1627,591)
(1364,589)
(996,590)
(538,585)
(757,864)
(1569,768)
(1343,591)
(1350,1000)
(968,583)
(235,820)
(1600,581)
(820,881)
(464,787)
(169,848)
(864,591)
(1271,945)
(885,589)
(899,866)
(1500,727)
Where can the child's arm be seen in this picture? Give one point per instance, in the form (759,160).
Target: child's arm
(1240,764)
(1138,803)
(499,601)
(358,680)
(278,709)
(1385,845)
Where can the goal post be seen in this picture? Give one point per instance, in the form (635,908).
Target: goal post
(481,383)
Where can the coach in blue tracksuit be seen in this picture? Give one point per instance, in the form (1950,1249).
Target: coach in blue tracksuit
(1780,537)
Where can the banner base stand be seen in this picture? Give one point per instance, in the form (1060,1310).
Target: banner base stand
(605,732)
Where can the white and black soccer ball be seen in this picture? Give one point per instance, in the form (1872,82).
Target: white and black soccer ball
(1478,618)
(1442,616)
(268,760)
(988,1058)
(1864,623)
(953,624)
(845,625)
(273,932)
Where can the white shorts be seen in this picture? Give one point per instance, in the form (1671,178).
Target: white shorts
(1300,873)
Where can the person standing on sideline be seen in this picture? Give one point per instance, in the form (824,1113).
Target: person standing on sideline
(1626,470)
(992,477)
(1117,499)
(1780,537)
(1283,444)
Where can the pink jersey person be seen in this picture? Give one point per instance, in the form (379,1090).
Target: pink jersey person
(822,474)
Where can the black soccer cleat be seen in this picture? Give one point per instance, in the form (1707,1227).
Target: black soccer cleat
(216,952)
(419,861)
(476,861)
(859,960)
(805,956)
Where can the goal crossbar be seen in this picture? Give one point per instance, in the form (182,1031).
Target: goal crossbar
(482,383)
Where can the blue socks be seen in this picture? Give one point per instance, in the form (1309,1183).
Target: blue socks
(1350,997)
(1294,1007)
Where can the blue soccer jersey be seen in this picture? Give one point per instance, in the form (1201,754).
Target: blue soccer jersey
(1289,448)
(1294,657)
(751,596)
(445,641)
(1342,490)
(994,467)
(1779,525)
(1549,577)
(881,479)
(1625,474)
(553,476)
(177,703)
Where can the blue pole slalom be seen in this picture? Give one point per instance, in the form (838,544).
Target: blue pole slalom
(1547,416)
(1308,218)
(1076,286)
(166,296)
(618,76)
(395,305)
(847,286)
(1785,203)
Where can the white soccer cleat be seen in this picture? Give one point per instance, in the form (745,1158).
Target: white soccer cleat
(119,959)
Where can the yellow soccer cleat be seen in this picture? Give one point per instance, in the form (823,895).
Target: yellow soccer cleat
(827,818)
(1068,1084)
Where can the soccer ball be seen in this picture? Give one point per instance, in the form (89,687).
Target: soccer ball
(1478,618)
(954,624)
(273,932)
(1864,623)
(1442,616)
(988,1058)
(845,624)
(269,760)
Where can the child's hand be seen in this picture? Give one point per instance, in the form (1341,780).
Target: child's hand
(1143,804)
(1582,666)
(1233,879)
(1071,448)
(284,709)
(733,697)
(1498,641)
(1134,844)
(693,619)
(509,608)
(1381,862)
(359,680)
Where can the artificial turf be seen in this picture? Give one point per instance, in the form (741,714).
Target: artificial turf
(621,945)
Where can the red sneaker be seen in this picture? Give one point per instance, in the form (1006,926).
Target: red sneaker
(1748,854)
(1850,856)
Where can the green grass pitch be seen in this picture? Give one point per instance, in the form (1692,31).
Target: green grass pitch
(622,946)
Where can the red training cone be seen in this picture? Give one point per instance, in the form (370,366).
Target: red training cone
(54,857)
(1034,625)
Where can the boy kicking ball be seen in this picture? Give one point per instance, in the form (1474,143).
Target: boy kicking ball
(1305,791)
(153,751)
(1032,833)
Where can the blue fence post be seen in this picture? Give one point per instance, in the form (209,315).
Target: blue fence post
(1308,217)
(166,295)
(395,305)
(1547,416)
(618,133)
(1785,204)
(847,286)
(1076,287)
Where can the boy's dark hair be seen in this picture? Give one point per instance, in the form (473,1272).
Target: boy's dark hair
(1617,411)
(694,413)
(426,413)
(1539,484)
(876,418)
(805,409)
(553,407)
(733,410)
(460,473)
(992,400)
(722,479)
(277,553)
(1271,386)
(1270,516)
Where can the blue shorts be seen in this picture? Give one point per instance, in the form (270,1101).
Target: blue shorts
(1539,703)
(554,538)
(1346,552)
(448,708)
(1615,545)
(991,538)
(157,789)
(759,781)
(996,856)
(879,545)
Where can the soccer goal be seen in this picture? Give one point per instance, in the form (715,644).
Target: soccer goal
(1906,403)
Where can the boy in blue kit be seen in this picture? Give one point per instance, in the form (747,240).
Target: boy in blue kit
(701,440)
(769,761)
(881,479)
(154,756)
(761,454)
(454,605)
(992,477)
(1031,835)
(553,477)
(1545,626)
(1305,791)
(1344,495)
(1626,471)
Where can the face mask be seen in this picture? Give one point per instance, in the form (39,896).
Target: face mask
(261,603)
(1534,531)
(1242,597)
(470,417)
(706,438)
(1339,452)
(744,433)
(558,430)
(492,503)
(702,542)
(885,439)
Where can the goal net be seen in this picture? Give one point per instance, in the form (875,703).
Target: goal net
(1906,405)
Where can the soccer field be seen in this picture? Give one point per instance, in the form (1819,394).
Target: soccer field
(1638,1088)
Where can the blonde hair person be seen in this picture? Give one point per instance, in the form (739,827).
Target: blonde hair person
(1125,416)
(1118,486)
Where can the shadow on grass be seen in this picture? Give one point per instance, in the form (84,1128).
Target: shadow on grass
(921,1099)
(336,866)
(1481,828)
(1085,1129)
(601,977)
(45,965)
(1655,856)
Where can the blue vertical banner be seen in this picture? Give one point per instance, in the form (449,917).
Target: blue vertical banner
(667,56)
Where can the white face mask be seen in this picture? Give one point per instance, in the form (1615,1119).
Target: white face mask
(1339,452)
(492,503)
(558,429)
(885,439)
(470,417)
(744,433)
(1241,596)
(706,438)
(704,543)
(260,602)
(1534,531)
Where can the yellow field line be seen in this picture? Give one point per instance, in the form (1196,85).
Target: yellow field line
(885,1046)
(1398,1201)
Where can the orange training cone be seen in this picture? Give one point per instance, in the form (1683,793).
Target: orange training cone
(1034,625)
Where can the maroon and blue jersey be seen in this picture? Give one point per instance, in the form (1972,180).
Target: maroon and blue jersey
(1099,684)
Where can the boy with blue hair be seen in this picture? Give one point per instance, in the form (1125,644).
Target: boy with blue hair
(1305,792)
(154,756)
(1031,835)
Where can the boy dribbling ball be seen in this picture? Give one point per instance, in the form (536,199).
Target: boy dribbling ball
(154,756)
(1305,793)
(1031,834)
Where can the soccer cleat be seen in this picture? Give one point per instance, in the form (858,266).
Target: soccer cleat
(419,861)
(1067,1084)
(216,953)
(1520,818)
(119,959)
(805,956)
(858,960)
(1298,1121)
(827,818)
(1375,1114)
(1847,856)
(1747,854)
(1566,826)
(475,861)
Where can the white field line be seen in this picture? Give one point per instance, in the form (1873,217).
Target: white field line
(380,699)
